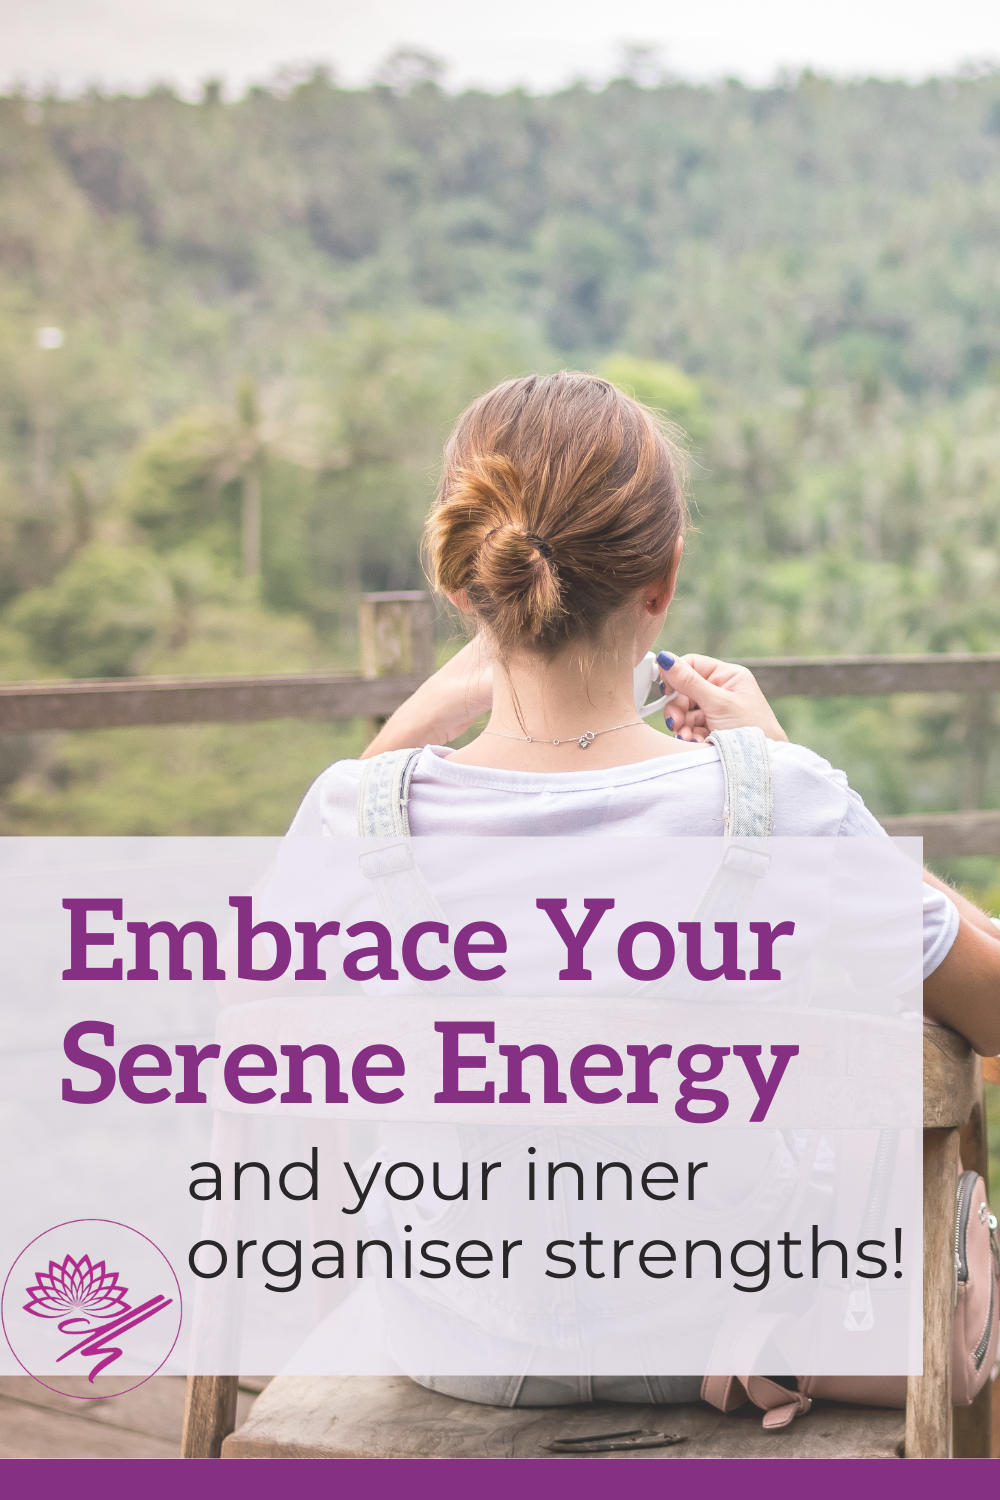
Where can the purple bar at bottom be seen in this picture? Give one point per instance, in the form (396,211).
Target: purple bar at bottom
(457,1479)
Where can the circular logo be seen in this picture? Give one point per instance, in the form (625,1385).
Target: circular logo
(91,1308)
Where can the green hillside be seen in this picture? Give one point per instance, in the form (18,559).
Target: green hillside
(294,294)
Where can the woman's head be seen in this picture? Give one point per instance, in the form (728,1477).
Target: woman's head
(561,499)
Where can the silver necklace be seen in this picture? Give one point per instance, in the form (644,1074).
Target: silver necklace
(584,740)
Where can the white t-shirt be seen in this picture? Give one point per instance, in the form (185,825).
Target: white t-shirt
(680,794)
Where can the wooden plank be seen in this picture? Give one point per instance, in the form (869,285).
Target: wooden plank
(874,676)
(972,1427)
(928,1396)
(29,1431)
(31,1392)
(952,1080)
(397,640)
(949,833)
(30,707)
(397,635)
(392,1417)
(154,1410)
(27,707)
(210,1414)
(974,1146)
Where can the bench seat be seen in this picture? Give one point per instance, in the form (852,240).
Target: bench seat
(389,1416)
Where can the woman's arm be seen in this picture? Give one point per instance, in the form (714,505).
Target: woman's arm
(966,908)
(444,706)
(964,990)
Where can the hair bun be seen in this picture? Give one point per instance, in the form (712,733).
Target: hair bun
(515,572)
(560,499)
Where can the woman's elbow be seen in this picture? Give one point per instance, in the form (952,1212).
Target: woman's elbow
(964,990)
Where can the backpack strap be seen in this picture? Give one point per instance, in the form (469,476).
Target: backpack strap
(384,793)
(387,861)
(741,1341)
(749,814)
(384,824)
(779,1405)
(746,769)
(747,1339)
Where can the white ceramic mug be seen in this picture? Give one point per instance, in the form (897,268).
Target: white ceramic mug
(646,674)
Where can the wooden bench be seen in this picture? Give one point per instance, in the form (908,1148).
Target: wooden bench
(392,1417)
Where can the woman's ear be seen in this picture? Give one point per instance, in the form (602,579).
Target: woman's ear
(658,597)
(460,599)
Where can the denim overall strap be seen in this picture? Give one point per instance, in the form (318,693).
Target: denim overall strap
(384,793)
(746,768)
(387,859)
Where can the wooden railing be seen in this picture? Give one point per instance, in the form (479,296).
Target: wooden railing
(397,653)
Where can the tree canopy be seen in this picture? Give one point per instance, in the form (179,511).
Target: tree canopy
(273,309)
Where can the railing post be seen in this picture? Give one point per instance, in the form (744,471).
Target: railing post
(952,1088)
(928,1396)
(209,1414)
(397,638)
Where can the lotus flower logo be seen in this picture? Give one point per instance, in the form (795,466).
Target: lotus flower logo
(81,1292)
(79,1317)
(86,1298)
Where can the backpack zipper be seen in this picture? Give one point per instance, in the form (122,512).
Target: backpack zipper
(966,1184)
(984,1342)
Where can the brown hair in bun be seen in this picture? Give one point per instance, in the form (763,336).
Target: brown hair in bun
(560,498)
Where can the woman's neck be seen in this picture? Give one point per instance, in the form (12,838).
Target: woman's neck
(537,700)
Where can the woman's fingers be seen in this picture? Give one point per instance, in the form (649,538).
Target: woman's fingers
(721,673)
(675,711)
(726,695)
(683,714)
(679,673)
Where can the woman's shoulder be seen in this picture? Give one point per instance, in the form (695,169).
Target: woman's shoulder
(331,804)
(811,797)
(814,798)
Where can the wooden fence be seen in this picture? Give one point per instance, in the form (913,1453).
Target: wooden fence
(397,652)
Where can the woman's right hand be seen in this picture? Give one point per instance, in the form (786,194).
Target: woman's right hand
(713,694)
(444,706)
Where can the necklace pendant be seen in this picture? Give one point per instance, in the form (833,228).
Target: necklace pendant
(586,740)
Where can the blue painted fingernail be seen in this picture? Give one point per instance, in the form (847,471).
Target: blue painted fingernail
(665,660)
(670,723)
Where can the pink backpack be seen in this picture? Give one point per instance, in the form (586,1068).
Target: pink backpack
(977,1291)
(749,812)
(974,1336)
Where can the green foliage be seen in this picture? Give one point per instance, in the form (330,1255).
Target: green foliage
(172,488)
(194,780)
(813,234)
(101,613)
(290,298)
(662,387)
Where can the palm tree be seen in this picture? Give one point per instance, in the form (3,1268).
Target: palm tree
(240,449)
(250,451)
(180,471)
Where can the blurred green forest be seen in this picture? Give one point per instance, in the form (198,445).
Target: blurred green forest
(271,311)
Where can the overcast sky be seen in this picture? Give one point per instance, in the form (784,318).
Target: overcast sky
(540,43)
